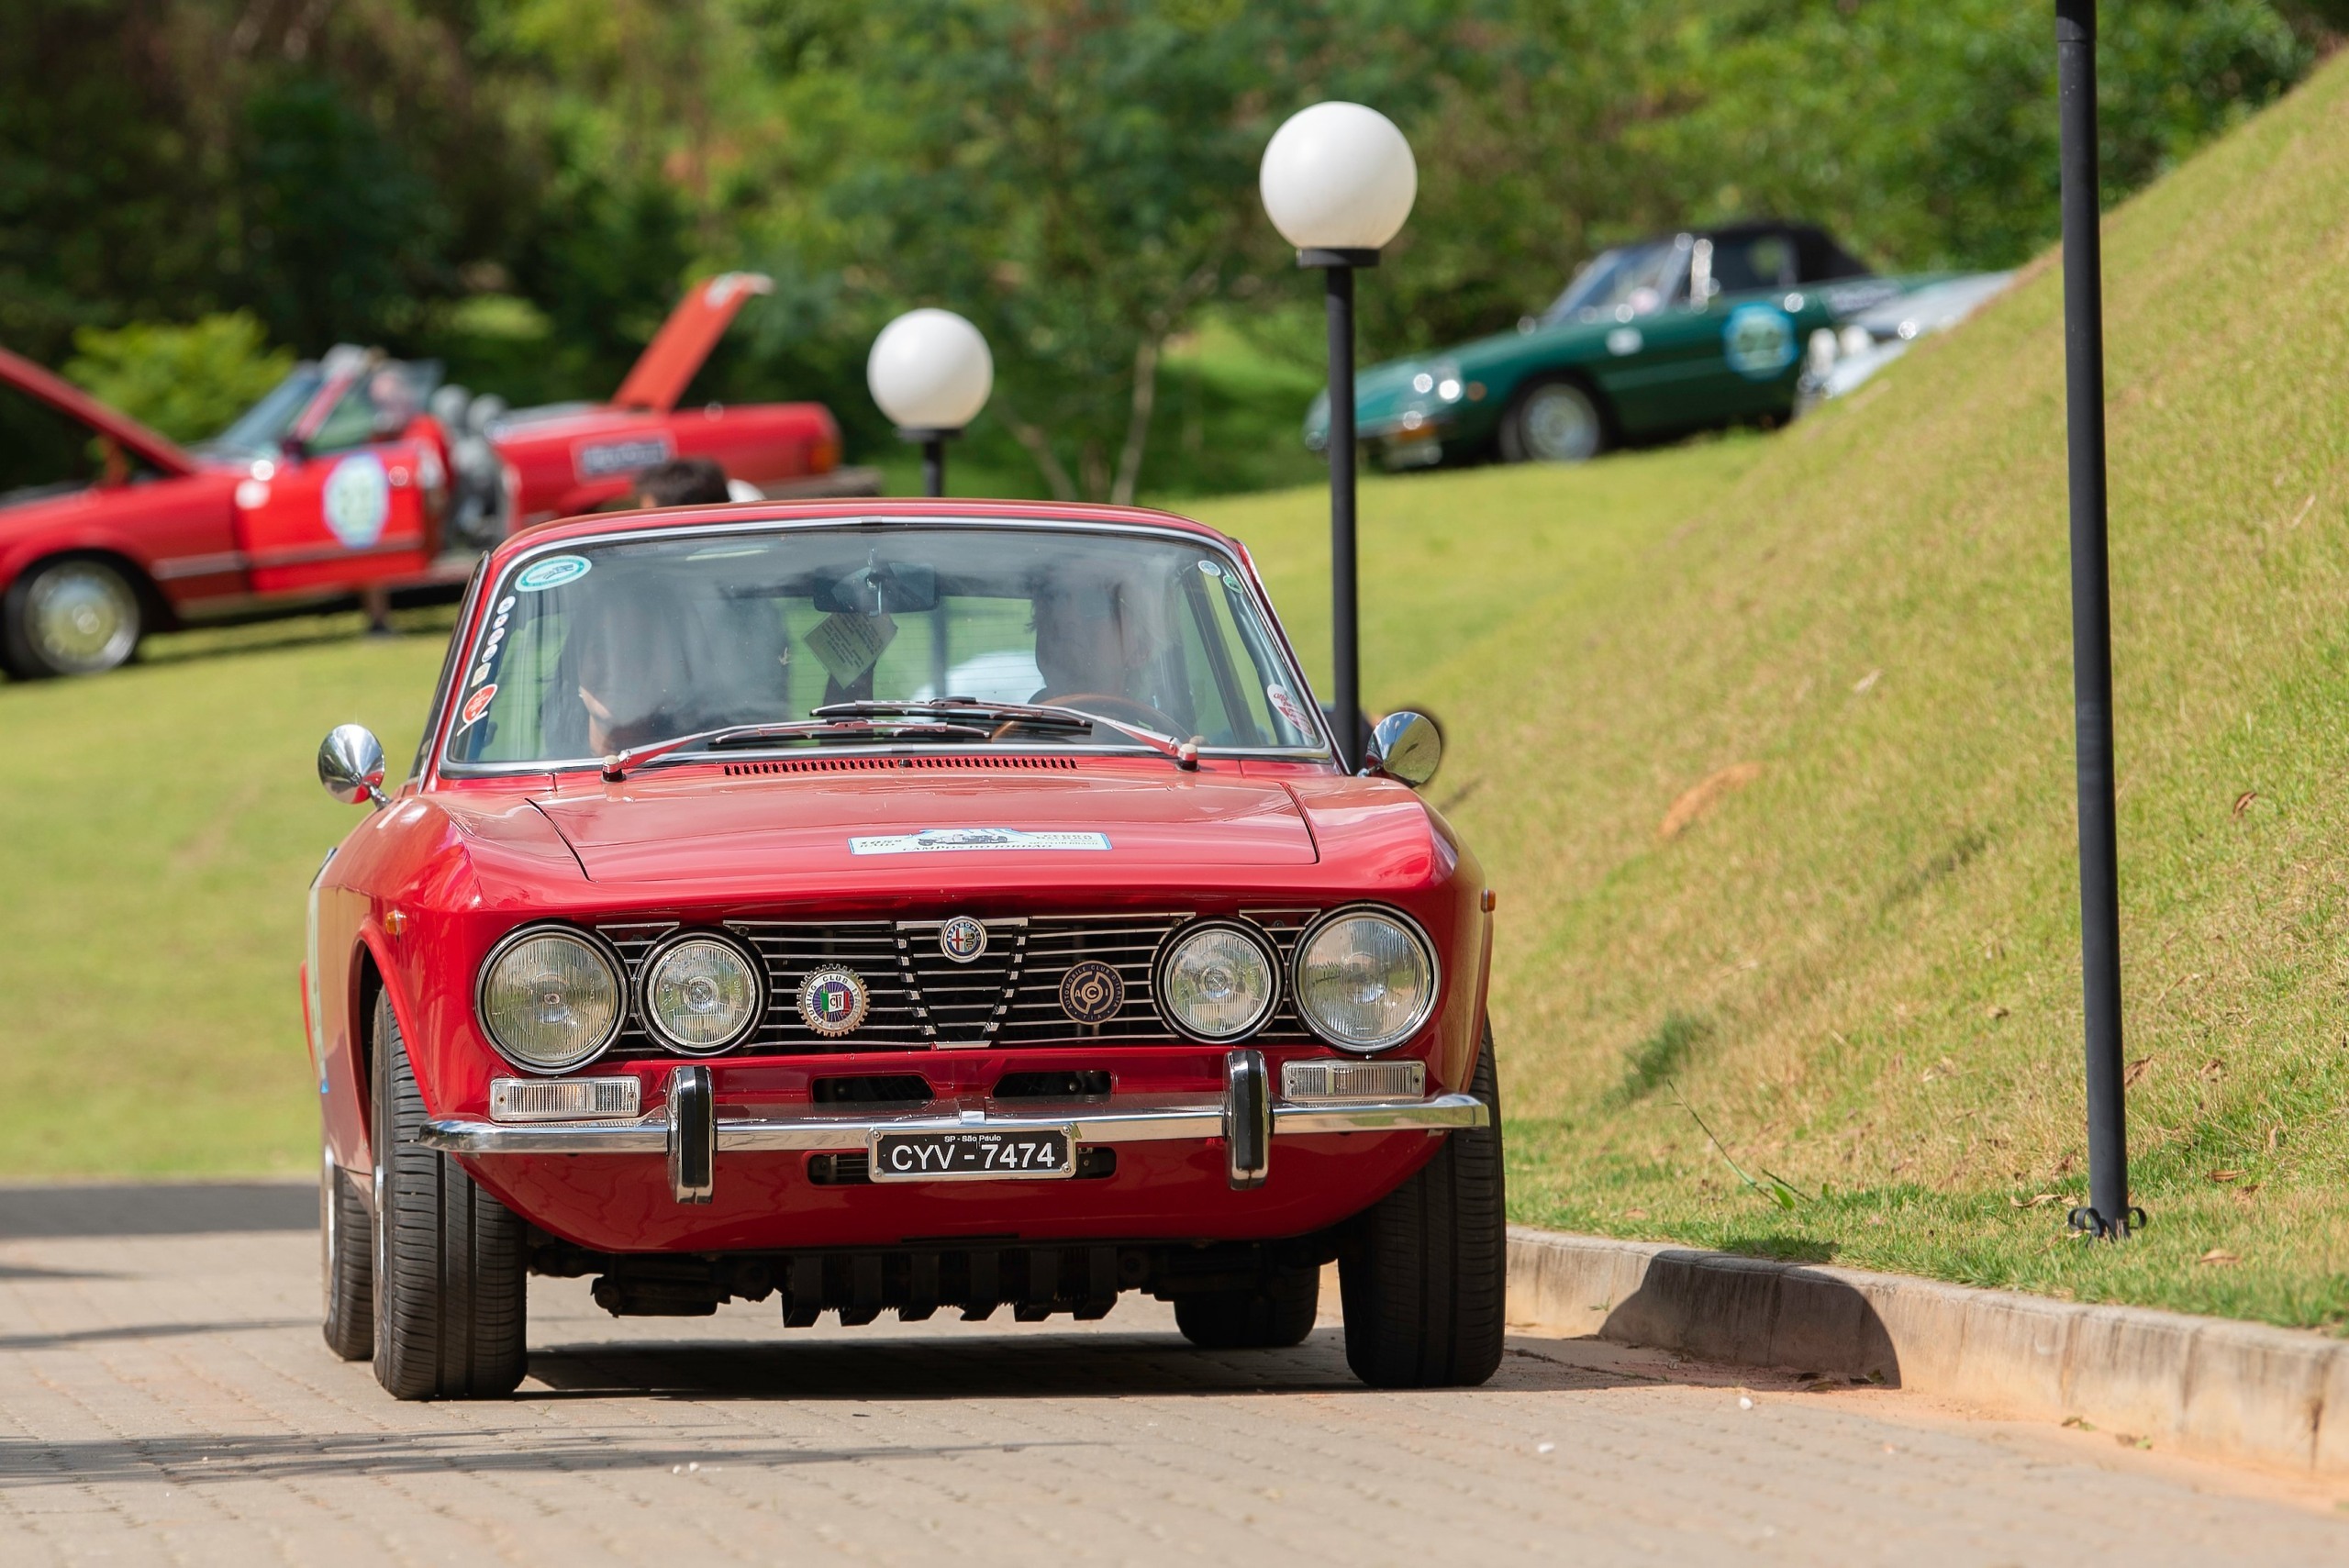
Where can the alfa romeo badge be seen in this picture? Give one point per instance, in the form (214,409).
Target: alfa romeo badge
(833,1001)
(1092,992)
(962,938)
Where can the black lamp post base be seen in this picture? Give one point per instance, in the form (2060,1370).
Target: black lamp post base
(2095,1226)
(1318,257)
(933,456)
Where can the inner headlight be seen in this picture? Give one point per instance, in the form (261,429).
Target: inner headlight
(1365,981)
(1217,982)
(701,994)
(550,1000)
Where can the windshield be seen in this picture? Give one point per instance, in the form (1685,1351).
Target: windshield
(260,430)
(1636,280)
(605,646)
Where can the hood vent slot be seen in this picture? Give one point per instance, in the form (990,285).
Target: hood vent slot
(893,764)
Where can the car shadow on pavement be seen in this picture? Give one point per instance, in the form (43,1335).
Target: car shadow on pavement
(904,1367)
(156,1209)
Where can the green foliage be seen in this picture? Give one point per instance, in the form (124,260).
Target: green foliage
(188,381)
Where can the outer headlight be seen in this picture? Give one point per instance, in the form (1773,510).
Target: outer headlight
(1217,982)
(550,998)
(1365,980)
(701,994)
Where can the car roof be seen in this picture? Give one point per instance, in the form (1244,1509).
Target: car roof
(610,525)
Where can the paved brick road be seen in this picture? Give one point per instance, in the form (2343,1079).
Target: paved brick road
(164,1398)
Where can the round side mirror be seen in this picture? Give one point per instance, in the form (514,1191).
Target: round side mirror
(1406,746)
(351,764)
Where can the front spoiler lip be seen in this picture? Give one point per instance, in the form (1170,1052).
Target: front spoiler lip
(1151,1122)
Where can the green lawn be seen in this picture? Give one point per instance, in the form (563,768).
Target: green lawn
(1853,953)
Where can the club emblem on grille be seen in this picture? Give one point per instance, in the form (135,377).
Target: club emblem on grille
(961,938)
(833,1001)
(1091,991)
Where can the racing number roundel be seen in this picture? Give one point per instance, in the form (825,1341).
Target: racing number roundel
(1758,340)
(358,500)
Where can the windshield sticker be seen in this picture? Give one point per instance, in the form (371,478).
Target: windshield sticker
(608,459)
(1758,340)
(951,841)
(1286,706)
(476,706)
(849,645)
(1210,569)
(358,500)
(493,643)
(553,573)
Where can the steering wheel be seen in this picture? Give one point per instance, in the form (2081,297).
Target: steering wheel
(1108,704)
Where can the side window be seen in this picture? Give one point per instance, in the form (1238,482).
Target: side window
(1758,261)
(1233,708)
(524,676)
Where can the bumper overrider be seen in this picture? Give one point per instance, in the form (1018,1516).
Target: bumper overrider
(691,1131)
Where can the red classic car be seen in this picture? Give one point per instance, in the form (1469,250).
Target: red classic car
(897,905)
(336,480)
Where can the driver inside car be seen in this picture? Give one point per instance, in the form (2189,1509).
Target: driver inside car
(1091,639)
(649,663)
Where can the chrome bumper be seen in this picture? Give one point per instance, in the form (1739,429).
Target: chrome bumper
(1244,1107)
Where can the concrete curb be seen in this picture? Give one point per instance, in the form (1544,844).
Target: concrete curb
(2209,1386)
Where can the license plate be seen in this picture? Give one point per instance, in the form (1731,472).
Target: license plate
(974,1156)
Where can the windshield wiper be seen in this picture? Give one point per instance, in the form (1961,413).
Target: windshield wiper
(1183,754)
(616,766)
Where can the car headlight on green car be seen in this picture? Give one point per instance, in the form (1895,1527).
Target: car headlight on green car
(701,994)
(550,998)
(1365,979)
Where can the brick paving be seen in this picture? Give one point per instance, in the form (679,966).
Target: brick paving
(165,1398)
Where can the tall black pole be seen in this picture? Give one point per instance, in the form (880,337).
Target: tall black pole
(2108,1212)
(1345,695)
(933,465)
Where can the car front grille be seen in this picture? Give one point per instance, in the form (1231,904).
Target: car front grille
(922,999)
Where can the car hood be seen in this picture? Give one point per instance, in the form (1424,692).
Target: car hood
(835,828)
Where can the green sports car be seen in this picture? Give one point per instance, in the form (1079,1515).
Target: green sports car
(1687,332)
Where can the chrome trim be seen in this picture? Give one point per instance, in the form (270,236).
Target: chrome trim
(1427,947)
(649,967)
(1267,949)
(1247,1119)
(691,1135)
(595,941)
(1161,1121)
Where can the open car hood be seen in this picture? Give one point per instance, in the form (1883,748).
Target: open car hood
(668,363)
(82,408)
(927,828)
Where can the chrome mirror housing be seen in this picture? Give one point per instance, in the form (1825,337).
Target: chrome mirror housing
(1406,746)
(351,764)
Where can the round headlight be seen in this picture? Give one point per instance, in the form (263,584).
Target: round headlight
(701,994)
(1365,981)
(1217,981)
(550,1000)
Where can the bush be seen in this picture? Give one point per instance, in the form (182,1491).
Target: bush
(188,381)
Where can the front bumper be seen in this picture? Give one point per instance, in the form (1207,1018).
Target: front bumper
(690,1131)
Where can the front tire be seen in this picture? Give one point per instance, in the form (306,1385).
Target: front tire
(1273,1319)
(346,1263)
(451,1308)
(74,616)
(1553,421)
(1425,1273)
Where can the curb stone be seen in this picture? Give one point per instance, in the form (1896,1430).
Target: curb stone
(2207,1385)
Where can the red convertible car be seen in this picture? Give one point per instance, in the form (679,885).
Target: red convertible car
(337,480)
(897,906)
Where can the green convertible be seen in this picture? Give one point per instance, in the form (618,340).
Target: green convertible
(1688,332)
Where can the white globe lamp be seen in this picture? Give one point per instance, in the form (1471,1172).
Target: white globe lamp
(1338,181)
(931,373)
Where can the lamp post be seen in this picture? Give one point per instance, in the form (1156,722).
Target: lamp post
(930,372)
(1338,181)
(2108,1213)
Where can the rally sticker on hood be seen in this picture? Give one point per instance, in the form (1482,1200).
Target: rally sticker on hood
(948,840)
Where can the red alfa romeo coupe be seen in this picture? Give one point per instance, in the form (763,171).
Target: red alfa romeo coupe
(896,906)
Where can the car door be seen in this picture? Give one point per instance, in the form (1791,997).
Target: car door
(1759,317)
(348,506)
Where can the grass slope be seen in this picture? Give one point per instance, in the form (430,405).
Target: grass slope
(1834,664)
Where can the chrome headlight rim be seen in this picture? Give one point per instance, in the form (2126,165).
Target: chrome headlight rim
(1255,937)
(651,969)
(594,943)
(1411,929)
